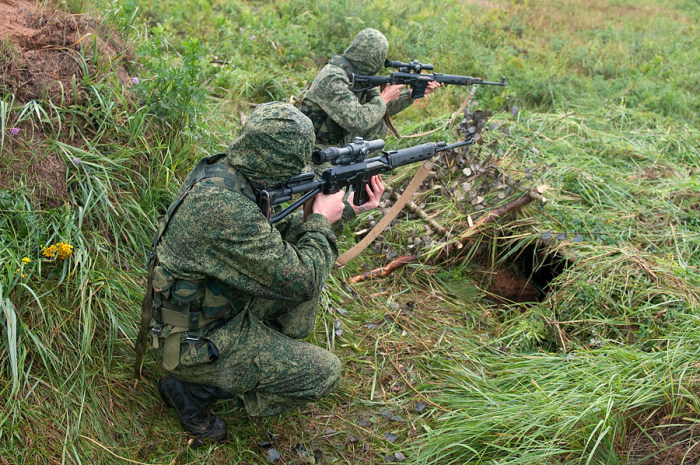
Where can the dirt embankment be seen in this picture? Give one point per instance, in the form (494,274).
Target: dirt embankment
(40,52)
(44,55)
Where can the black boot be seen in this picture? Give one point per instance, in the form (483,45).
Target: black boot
(191,403)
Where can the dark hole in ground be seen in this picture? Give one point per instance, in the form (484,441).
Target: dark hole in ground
(527,278)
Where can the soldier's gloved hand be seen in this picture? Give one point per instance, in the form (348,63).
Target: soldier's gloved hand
(329,205)
(375,189)
(391,92)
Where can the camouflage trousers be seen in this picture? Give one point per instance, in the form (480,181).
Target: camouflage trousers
(266,364)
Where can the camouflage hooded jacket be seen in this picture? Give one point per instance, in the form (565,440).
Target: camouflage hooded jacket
(339,114)
(218,234)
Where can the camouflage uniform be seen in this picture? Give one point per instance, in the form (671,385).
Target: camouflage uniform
(339,114)
(272,275)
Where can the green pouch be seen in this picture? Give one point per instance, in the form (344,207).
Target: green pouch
(163,281)
(186,292)
(216,302)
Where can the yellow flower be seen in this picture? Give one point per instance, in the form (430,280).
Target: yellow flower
(60,250)
(25,260)
(64,250)
(49,252)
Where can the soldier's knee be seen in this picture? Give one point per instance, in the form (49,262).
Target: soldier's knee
(328,374)
(302,330)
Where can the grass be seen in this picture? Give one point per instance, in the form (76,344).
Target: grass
(434,372)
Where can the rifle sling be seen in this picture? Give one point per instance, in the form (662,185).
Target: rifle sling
(146,308)
(405,196)
(390,215)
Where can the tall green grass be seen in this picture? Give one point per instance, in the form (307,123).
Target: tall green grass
(557,408)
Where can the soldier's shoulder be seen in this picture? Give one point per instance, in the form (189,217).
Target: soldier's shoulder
(331,72)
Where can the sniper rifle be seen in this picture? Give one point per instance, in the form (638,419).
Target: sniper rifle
(350,168)
(411,75)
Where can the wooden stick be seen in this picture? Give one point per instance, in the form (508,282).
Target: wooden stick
(419,212)
(384,271)
(491,216)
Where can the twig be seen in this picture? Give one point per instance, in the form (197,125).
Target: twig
(384,271)
(490,217)
(416,210)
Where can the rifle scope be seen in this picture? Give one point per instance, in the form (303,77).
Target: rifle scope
(355,151)
(414,66)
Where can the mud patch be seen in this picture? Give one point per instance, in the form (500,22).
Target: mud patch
(40,52)
(43,174)
(663,440)
(508,286)
(44,55)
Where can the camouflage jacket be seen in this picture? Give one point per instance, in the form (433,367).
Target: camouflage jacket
(339,114)
(219,234)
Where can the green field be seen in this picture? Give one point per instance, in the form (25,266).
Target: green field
(442,362)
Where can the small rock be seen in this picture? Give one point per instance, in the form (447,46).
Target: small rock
(363,422)
(273,455)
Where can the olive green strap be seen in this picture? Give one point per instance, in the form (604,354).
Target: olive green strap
(180,323)
(146,308)
(171,351)
(175,318)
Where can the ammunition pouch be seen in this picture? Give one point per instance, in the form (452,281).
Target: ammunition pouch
(183,306)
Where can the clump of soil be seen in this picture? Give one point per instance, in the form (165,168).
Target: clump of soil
(509,286)
(39,51)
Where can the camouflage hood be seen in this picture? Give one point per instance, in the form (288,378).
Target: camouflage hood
(275,143)
(367,51)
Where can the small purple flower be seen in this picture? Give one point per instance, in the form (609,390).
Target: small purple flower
(252,37)
(134,80)
(252,56)
(14,131)
(240,29)
(76,161)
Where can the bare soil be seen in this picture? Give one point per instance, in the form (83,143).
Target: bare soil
(508,286)
(39,52)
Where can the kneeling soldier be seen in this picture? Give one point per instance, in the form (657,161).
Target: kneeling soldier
(233,296)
